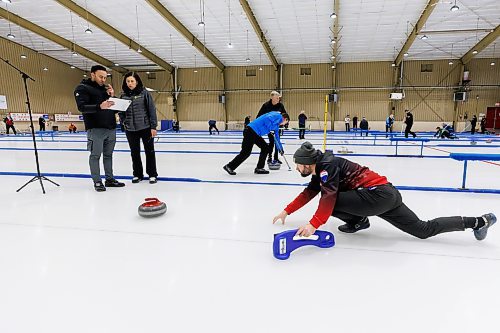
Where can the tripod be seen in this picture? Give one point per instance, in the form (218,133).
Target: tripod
(38,176)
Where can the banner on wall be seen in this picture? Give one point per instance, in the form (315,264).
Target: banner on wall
(68,117)
(3,102)
(26,116)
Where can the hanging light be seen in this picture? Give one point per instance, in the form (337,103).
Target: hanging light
(72,67)
(7,1)
(117,64)
(474,52)
(260,68)
(454,8)
(88,31)
(172,63)
(247,59)
(23,56)
(450,63)
(393,65)
(333,41)
(11,36)
(333,56)
(424,37)
(405,54)
(333,66)
(492,63)
(201,23)
(230,45)
(333,15)
(74,54)
(45,69)
(139,50)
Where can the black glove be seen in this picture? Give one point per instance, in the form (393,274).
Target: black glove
(282,152)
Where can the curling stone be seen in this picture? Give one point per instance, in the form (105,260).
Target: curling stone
(473,143)
(152,208)
(274,165)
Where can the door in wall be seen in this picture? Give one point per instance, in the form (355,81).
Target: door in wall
(493,117)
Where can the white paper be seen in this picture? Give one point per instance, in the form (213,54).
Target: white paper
(3,102)
(120,104)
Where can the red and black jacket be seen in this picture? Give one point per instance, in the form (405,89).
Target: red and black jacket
(333,175)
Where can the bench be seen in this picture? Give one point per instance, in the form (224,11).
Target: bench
(421,140)
(472,157)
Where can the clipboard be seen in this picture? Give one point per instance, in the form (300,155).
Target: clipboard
(120,104)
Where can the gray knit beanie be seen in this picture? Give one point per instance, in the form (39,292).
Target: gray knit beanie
(306,154)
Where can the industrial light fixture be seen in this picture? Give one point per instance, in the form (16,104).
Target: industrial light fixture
(405,54)
(117,64)
(72,67)
(202,14)
(474,52)
(138,35)
(88,30)
(148,73)
(7,1)
(333,41)
(73,34)
(74,54)
(450,63)
(260,61)
(492,63)
(424,37)
(230,45)
(333,56)
(195,70)
(248,57)
(11,36)
(45,69)
(333,66)
(454,8)
(139,50)
(393,65)
(333,15)
(172,62)
(23,56)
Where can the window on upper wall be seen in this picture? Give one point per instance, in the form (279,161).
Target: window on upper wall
(251,72)
(305,71)
(426,68)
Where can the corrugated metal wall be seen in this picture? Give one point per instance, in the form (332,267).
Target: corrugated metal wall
(52,91)
(363,89)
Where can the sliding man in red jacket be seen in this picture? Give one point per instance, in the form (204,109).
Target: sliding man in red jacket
(352,192)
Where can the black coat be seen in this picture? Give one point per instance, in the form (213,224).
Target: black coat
(89,95)
(268,107)
(363,124)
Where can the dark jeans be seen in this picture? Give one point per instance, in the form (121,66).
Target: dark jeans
(347,127)
(302,131)
(385,202)
(270,136)
(388,129)
(101,141)
(249,139)
(408,131)
(214,127)
(42,127)
(134,141)
(8,127)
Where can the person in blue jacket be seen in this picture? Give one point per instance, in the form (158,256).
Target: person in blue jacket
(253,135)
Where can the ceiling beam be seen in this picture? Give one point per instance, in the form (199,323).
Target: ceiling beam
(258,31)
(170,18)
(99,23)
(15,19)
(416,29)
(481,45)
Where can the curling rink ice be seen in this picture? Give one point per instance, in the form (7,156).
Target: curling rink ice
(74,260)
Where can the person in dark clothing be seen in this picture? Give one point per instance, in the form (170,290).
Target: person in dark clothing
(355,122)
(274,104)
(443,133)
(363,126)
(72,128)
(302,124)
(9,123)
(482,125)
(389,124)
(175,126)
(212,124)
(247,121)
(140,123)
(409,124)
(41,123)
(253,135)
(351,193)
(91,97)
(473,123)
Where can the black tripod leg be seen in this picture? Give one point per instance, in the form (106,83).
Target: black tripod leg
(29,182)
(45,178)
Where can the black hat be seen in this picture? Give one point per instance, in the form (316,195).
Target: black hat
(306,154)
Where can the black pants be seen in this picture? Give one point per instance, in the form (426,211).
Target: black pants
(408,131)
(249,139)
(270,136)
(302,131)
(8,127)
(347,127)
(388,129)
(210,129)
(134,141)
(385,202)
(42,127)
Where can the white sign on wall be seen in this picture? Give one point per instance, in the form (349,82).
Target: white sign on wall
(26,116)
(68,117)
(3,102)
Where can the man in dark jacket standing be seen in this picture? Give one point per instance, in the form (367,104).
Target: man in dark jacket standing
(274,104)
(363,126)
(409,124)
(91,97)
(41,122)
(351,193)
(473,123)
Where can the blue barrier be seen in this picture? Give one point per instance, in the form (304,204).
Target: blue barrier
(421,140)
(472,157)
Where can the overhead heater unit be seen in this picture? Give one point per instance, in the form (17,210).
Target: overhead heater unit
(396,96)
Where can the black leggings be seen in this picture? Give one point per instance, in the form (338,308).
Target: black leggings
(214,127)
(385,202)
(271,147)
(250,138)
(408,131)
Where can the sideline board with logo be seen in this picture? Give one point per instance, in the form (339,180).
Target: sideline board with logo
(68,117)
(26,116)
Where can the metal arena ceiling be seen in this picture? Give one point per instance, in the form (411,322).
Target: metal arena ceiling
(283,31)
